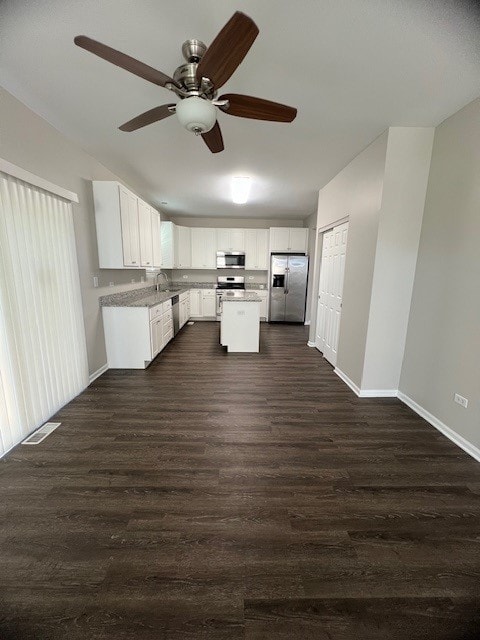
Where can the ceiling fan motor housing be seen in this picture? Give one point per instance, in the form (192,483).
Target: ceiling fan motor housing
(197,115)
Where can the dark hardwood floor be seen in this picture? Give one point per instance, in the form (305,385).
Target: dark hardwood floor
(248,497)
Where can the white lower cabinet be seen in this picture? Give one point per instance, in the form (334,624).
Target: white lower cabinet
(263,295)
(135,335)
(209,303)
(195,303)
(203,303)
(184,308)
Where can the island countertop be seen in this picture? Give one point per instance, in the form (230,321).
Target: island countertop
(248,297)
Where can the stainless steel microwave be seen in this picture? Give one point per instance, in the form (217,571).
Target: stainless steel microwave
(230,260)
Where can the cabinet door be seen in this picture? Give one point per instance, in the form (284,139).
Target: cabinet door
(279,239)
(145,227)
(156,239)
(197,239)
(209,305)
(263,307)
(184,248)
(262,249)
(196,303)
(130,232)
(251,258)
(209,249)
(237,239)
(156,336)
(223,240)
(298,240)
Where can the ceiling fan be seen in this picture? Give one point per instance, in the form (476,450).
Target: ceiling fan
(197,81)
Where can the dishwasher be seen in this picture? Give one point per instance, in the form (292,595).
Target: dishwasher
(176,314)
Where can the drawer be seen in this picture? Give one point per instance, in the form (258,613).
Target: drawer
(167,305)
(184,296)
(167,315)
(155,311)
(167,337)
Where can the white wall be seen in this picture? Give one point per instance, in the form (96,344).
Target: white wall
(407,166)
(442,354)
(311,224)
(355,192)
(31,143)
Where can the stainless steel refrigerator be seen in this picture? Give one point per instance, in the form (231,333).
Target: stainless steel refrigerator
(288,287)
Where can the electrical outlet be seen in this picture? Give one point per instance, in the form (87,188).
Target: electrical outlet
(95,281)
(461,400)
(111,284)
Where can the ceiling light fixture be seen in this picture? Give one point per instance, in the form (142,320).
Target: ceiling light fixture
(196,114)
(240,189)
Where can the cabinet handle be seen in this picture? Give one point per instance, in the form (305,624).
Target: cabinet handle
(147,263)
(134,262)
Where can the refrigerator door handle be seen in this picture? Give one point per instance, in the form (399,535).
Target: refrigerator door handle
(285,288)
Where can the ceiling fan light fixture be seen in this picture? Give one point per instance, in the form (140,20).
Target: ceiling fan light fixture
(240,189)
(196,114)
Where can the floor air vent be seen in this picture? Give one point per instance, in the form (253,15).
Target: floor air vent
(40,434)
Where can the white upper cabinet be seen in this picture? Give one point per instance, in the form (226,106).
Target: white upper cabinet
(230,239)
(145,226)
(203,248)
(126,228)
(256,249)
(290,240)
(130,230)
(183,248)
(176,246)
(156,239)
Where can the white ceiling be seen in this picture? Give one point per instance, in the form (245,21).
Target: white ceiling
(351,67)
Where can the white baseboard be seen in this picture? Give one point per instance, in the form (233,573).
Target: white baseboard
(347,381)
(96,374)
(307,323)
(310,344)
(365,393)
(378,393)
(457,439)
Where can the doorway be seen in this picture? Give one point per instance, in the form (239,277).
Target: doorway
(330,291)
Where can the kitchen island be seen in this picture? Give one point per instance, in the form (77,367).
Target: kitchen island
(240,323)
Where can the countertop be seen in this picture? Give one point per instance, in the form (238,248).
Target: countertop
(148,297)
(248,297)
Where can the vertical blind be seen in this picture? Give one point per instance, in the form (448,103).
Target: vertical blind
(43,361)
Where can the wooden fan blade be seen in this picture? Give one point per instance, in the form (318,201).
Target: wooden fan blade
(214,139)
(154,115)
(257,108)
(227,50)
(122,60)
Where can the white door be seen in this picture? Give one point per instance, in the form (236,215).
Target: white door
(330,291)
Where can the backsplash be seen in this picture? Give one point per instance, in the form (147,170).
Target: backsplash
(210,275)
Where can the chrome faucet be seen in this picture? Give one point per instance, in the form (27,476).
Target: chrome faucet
(157,285)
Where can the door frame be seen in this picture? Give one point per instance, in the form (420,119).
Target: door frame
(318,265)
